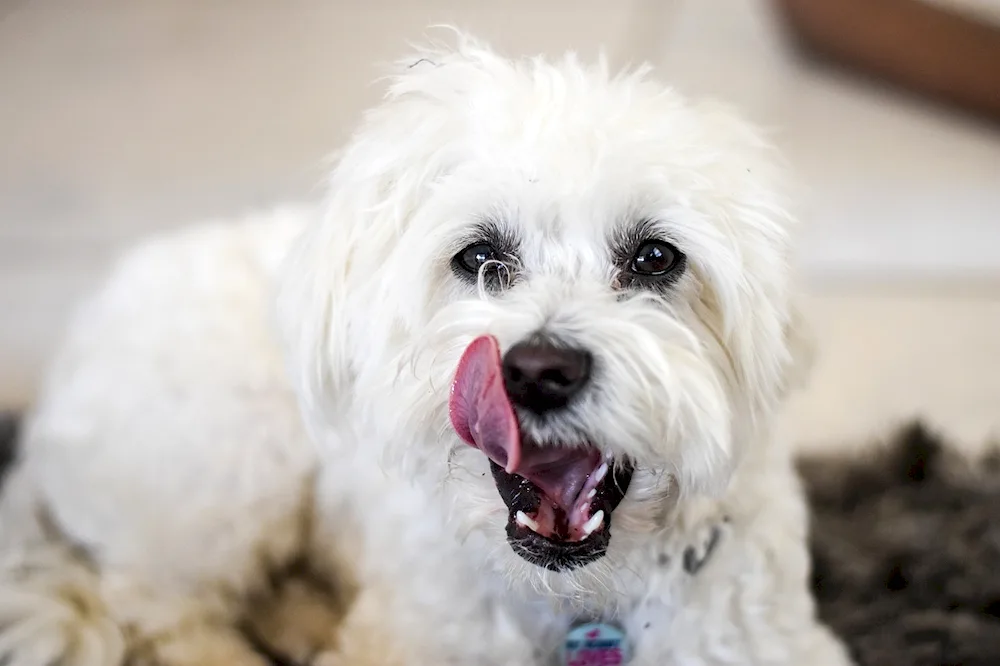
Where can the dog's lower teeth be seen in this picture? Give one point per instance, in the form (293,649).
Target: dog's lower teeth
(523,520)
(601,472)
(593,523)
(590,495)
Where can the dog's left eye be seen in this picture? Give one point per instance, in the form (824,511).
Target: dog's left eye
(472,258)
(655,259)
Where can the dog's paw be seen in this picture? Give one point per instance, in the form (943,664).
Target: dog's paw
(300,622)
(328,659)
(50,614)
(201,646)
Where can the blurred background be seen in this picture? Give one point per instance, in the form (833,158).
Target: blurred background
(119,118)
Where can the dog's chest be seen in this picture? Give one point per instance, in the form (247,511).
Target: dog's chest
(571,639)
(639,624)
(563,635)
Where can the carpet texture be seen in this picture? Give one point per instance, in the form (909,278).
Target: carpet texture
(8,440)
(906,552)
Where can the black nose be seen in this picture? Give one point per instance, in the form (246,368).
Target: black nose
(541,377)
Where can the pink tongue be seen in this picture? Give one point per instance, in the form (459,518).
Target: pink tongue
(482,415)
(480,411)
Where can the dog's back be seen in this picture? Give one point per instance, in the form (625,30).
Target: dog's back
(124,432)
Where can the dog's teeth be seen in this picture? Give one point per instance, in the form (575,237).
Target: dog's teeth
(590,495)
(523,519)
(601,472)
(593,523)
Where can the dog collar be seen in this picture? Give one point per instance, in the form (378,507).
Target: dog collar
(595,644)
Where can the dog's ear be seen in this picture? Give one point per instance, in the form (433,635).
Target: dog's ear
(380,179)
(309,291)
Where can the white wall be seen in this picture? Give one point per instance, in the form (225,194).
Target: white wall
(899,191)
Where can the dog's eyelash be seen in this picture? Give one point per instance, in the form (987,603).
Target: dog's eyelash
(627,242)
(624,280)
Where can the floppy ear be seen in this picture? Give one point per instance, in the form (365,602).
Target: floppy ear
(380,179)
(313,286)
(326,284)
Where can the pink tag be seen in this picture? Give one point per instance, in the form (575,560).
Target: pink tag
(595,644)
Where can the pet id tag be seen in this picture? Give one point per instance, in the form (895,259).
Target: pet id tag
(595,644)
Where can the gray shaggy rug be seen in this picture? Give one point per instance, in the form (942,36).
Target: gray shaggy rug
(8,440)
(906,552)
(905,543)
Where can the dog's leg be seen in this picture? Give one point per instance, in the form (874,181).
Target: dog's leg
(417,597)
(50,607)
(385,628)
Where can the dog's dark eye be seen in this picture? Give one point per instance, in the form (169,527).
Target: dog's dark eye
(472,258)
(655,259)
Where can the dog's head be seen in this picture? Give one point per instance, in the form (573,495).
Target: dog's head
(557,295)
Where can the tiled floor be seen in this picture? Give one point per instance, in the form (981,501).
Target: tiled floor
(118,118)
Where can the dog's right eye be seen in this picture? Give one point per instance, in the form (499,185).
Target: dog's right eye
(472,258)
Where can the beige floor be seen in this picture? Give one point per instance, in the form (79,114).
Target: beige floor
(118,118)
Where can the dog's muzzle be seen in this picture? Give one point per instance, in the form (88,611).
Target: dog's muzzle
(560,496)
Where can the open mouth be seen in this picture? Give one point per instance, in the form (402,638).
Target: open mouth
(560,497)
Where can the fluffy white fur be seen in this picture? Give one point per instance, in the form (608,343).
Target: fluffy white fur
(173,462)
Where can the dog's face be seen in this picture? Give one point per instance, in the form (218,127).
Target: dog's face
(558,297)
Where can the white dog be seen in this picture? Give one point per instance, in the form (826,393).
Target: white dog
(537,336)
